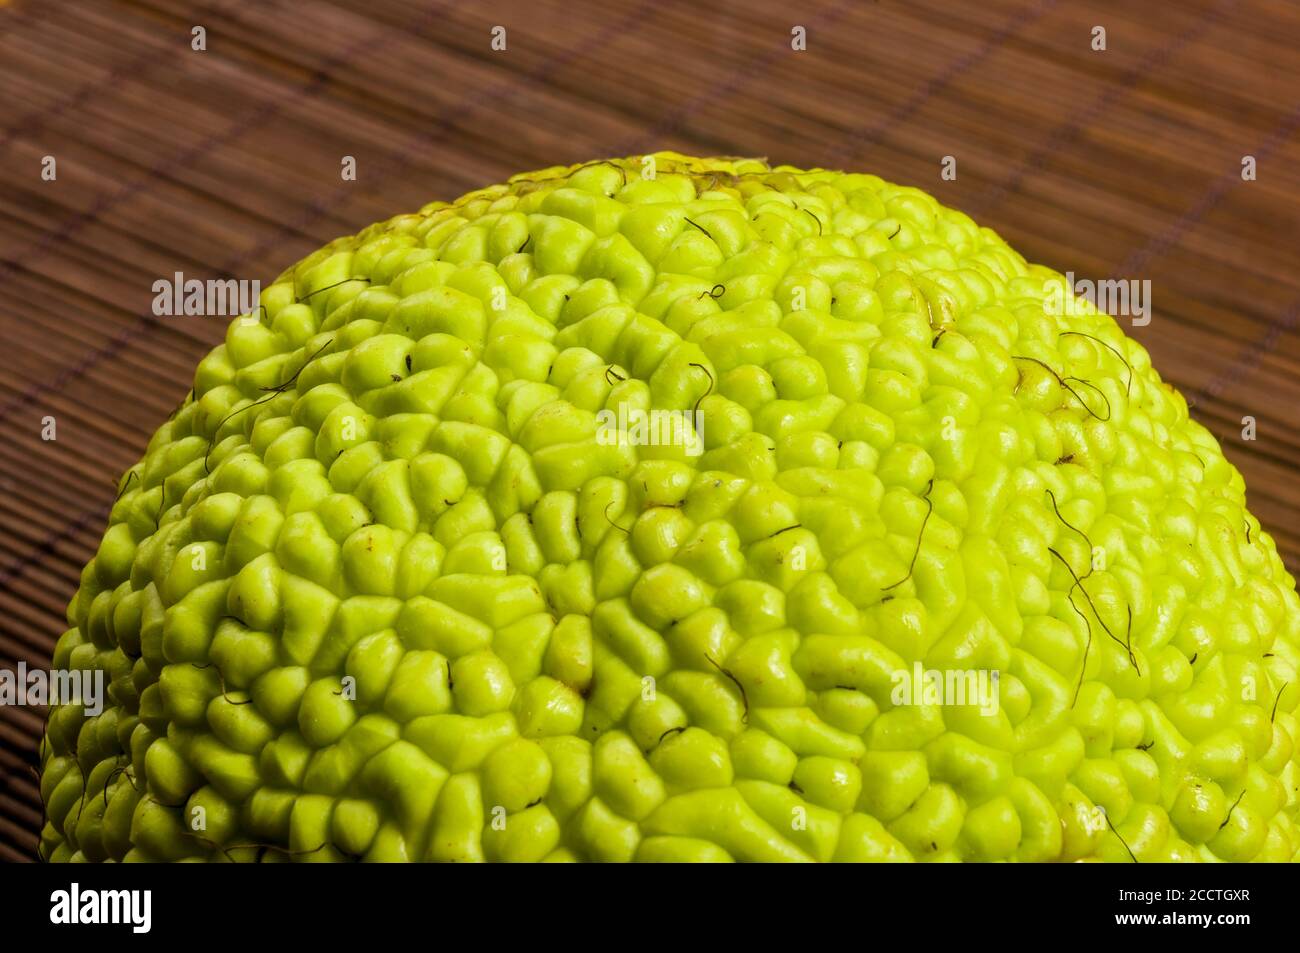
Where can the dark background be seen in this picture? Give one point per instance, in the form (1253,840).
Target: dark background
(1121,163)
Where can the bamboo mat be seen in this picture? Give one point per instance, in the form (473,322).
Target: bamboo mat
(226,162)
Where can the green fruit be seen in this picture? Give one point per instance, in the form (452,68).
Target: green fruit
(678,509)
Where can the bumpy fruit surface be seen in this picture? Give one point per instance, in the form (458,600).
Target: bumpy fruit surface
(679,509)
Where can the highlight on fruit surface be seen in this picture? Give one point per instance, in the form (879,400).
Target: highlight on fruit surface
(677,509)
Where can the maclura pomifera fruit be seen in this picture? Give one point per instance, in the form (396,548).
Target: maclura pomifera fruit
(928,563)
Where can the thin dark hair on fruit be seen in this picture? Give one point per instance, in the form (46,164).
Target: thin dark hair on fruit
(174,807)
(1057,510)
(283,386)
(670,731)
(1063,381)
(222,679)
(119,771)
(130,779)
(81,804)
(1099,392)
(162,504)
(1117,834)
(698,400)
(133,474)
(1087,646)
(744,698)
(36,773)
(177,409)
(610,162)
(611,522)
(1128,384)
(1233,808)
(260,847)
(312,294)
(1078,583)
(929,508)
(1128,633)
(274,391)
(700,227)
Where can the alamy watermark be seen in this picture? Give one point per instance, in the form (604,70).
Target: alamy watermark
(216,297)
(951,686)
(30,687)
(1127,297)
(133,908)
(652,428)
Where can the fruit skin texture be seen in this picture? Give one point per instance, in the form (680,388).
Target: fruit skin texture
(384,588)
